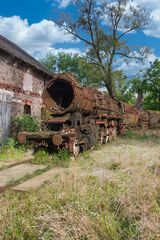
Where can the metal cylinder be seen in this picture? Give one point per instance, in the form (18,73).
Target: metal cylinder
(64,94)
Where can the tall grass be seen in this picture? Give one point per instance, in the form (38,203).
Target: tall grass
(77,204)
(59,159)
(11,150)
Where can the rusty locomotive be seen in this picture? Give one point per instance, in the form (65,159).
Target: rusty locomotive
(76,117)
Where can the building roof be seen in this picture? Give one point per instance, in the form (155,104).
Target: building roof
(19,53)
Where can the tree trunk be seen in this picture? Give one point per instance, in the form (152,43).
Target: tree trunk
(139,100)
(110,89)
(109,83)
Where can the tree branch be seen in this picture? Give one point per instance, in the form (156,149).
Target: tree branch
(127,56)
(129,30)
(78,36)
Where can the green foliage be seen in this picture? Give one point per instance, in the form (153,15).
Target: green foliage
(42,157)
(78,205)
(85,72)
(50,61)
(25,123)
(10,143)
(98,26)
(123,87)
(61,158)
(151,84)
(134,135)
(146,88)
(115,165)
(10,150)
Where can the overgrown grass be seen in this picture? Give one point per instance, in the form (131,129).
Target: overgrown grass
(59,159)
(11,150)
(76,206)
(69,208)
(153,135)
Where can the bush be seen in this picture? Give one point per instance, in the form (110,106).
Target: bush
(25,123)
(60,159)
(42,157)
(133,134)
(10,149)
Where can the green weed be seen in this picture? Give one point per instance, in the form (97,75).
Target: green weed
(10,150)
(25,123)
(59,159)
(76,206)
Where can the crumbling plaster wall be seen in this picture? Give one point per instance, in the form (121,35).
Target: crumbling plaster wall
(24,81)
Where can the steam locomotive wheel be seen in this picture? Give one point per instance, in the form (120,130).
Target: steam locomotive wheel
(115,134)
(75,147)
(107,136)
(110,137)
(103,138)
(112,134)
(83,146)
(106,139)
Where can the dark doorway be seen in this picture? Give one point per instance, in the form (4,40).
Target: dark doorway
(27,109)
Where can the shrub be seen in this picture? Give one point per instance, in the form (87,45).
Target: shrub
(134,134)
(61,158)
(25,123)
(42,157)
(10,149)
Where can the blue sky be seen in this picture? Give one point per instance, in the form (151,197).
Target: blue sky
(28,23)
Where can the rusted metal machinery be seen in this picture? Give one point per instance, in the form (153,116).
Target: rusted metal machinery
(76,117)
(149,120)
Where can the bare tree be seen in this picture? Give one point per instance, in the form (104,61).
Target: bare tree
(102,25)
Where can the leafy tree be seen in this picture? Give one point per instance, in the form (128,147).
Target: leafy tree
(120,85)
(102,26)
(145,91)
(50,62)
(64,62)
(25,123)
(124,88)
(138,91)
(151,84)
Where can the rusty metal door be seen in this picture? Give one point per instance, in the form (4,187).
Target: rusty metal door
(5,113)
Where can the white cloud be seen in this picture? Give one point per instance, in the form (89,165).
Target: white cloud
(134,67)
(55,51)
(62,3)
(153,6)
(65,3)
(153,28)
(37,39)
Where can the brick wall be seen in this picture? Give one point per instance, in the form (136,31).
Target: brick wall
(24,81)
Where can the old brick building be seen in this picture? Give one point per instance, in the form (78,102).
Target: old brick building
(22,79)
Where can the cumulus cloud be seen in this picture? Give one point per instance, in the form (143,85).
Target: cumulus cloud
(62,3)
(153,6)
(134,67)
(65,3)
(55,51)
(153,28)
(37,39)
